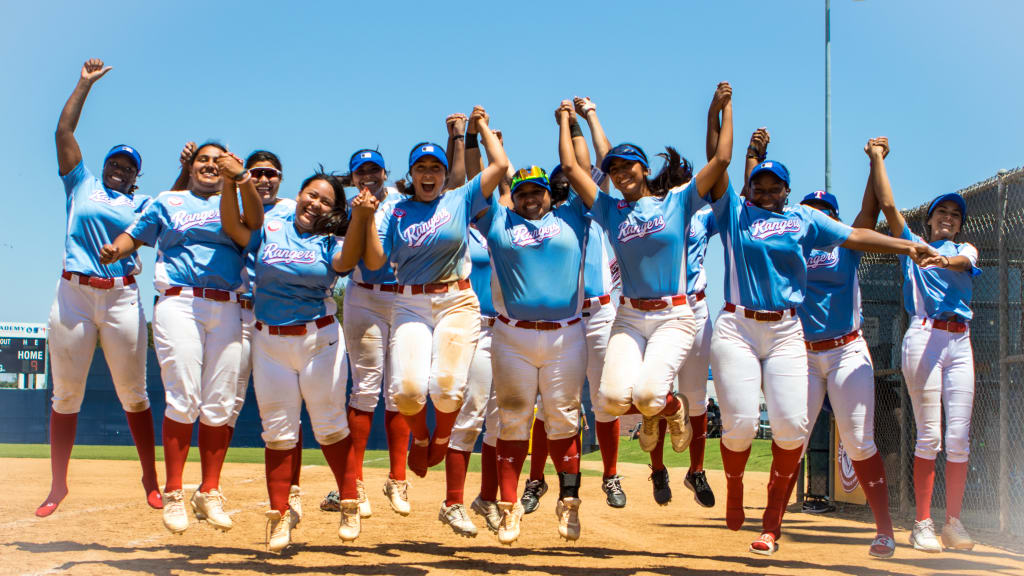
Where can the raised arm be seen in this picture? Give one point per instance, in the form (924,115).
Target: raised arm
(474,162)
(363,207)
(238,227)
(757,151)
(868,215)
(497,162)
(867,240)
(579,176)
(68,152)
(878,149)
(185,159)
(456,149)
(713,178)
(586,108)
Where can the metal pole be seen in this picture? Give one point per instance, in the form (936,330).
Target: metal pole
(828,99)
(1004,368)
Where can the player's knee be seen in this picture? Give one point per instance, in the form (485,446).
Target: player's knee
(860,450)
(514,431)
(957,449)
(411,397)
(462,440)
(648,402)
(928,446)
(137,406)
(282,444)
(739,432)
(613,405)
(789,434)
(70,404)
(562,428)
(330,436)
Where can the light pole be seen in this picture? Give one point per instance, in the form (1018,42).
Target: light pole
(828,100)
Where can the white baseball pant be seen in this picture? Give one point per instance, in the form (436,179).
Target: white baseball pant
(432,343)
(747,355)
(288,370)
(80,314)
(245,365)
(848,376)
(692,380)
(645,350)
(938,367)
(199,344)
(550,362)
(367,332)
(480,409)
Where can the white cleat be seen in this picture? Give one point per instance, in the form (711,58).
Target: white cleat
(489,510)
(350,526)
(511,515)
(456,517)
(955,536)
(922,537)
(648,435)
(568,512)
(295,504)
(397,492)
(364,502)
(209,506)
(175,517)
(279,530)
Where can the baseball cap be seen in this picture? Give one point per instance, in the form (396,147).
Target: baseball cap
(427,149)
(555,172)
(363,156)
(126,150)
(773,166)
(532,175)
(952,196)
(626,151)
(822,197)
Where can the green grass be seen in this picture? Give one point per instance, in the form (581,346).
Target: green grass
(629,451)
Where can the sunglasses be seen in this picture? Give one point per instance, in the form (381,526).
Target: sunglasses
(268,173)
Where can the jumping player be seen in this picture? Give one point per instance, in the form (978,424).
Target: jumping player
(96,300)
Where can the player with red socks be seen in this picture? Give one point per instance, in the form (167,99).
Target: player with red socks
(97,300)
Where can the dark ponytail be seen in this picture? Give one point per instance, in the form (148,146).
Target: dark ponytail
(676,172)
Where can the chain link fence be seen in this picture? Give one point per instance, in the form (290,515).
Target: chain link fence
(994,500)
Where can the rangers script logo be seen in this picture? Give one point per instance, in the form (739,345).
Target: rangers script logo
(185,220)
(417,234)
(274,254)
(524,236)
(762,229)
(101,197)
(819,259)
(629,231)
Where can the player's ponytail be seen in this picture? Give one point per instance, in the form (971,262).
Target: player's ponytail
(676,172)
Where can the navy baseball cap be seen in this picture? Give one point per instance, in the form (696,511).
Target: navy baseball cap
(626,151)
(126,150)
(532,175)
(555,172)
(774,167)
(427,149)
(363,156)
(954,197)
(822,197)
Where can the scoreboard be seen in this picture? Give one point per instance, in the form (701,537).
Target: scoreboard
(22,355)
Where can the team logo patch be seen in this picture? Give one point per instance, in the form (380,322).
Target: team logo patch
(622,205)
(819,259)
(629,231)
(185,220)
(274,225)
(417,234)
(398,212)
(522,235)
(847,475)
(274,254)
(762,229)
(175,201)
(366,155)
(103,198)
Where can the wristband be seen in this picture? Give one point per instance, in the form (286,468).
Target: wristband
(756,154)
(457,137)
(574,130)
(472,140)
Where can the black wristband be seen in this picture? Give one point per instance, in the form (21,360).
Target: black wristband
(472,140)
(457,137)
(575,130)
(755,154)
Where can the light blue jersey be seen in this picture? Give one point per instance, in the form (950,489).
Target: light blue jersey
(649,239)
(97,215)
(702,229)
(766,252)
(831,307)
(597,262)
(538,263)
(934,292)
(385,275)
(191,247)
(294,276)
(280,209)
(425,242)
(480,277)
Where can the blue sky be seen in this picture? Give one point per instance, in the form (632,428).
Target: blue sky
(315,82)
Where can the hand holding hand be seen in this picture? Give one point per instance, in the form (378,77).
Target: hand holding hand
(230,166)
(456,124)
(925,256)
(877,147)
(565,110)
(759,142)
(479,118)
(365,204)
(722,97)
(584,106)
(93,69)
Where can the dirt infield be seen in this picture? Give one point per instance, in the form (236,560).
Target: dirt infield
(104,527)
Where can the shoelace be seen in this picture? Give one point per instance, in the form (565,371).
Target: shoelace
(403,490)
(613,485)
(533,487)
(650,425)
(700,481)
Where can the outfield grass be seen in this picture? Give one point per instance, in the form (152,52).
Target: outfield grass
(629,451)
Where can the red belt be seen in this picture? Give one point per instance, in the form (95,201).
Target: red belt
(596,301)
(296,330)
(381,287)
(821,345)
(698,296)
(245,303)
(207,293)
(948,325)
(434,288)
(648,304)
(539,325)
(761,315)
(96,281)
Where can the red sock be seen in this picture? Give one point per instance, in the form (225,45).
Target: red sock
(956,483)
(231,433)
(783,475)
(672,405)
(700,436)
(658,454)
(456,463)
(871,474)
(488,473)
(359,422)
(734,463)
(141,426)
(337,456)
(538,450)
(418,425)
(511,454)
(297,460)
(924,481)
(398,443)
(278,464)
(608,440)
(566,455)
(213,447)
(62,440)
(443,424)
(177,438)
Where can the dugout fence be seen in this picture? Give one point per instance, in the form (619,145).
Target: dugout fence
(994,499)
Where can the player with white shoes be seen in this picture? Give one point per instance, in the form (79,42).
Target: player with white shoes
(96,300)
(937,358)
(197,326)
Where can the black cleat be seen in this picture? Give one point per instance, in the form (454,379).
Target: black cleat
(698,483)
(531,495)
(662,491)
(613,490)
